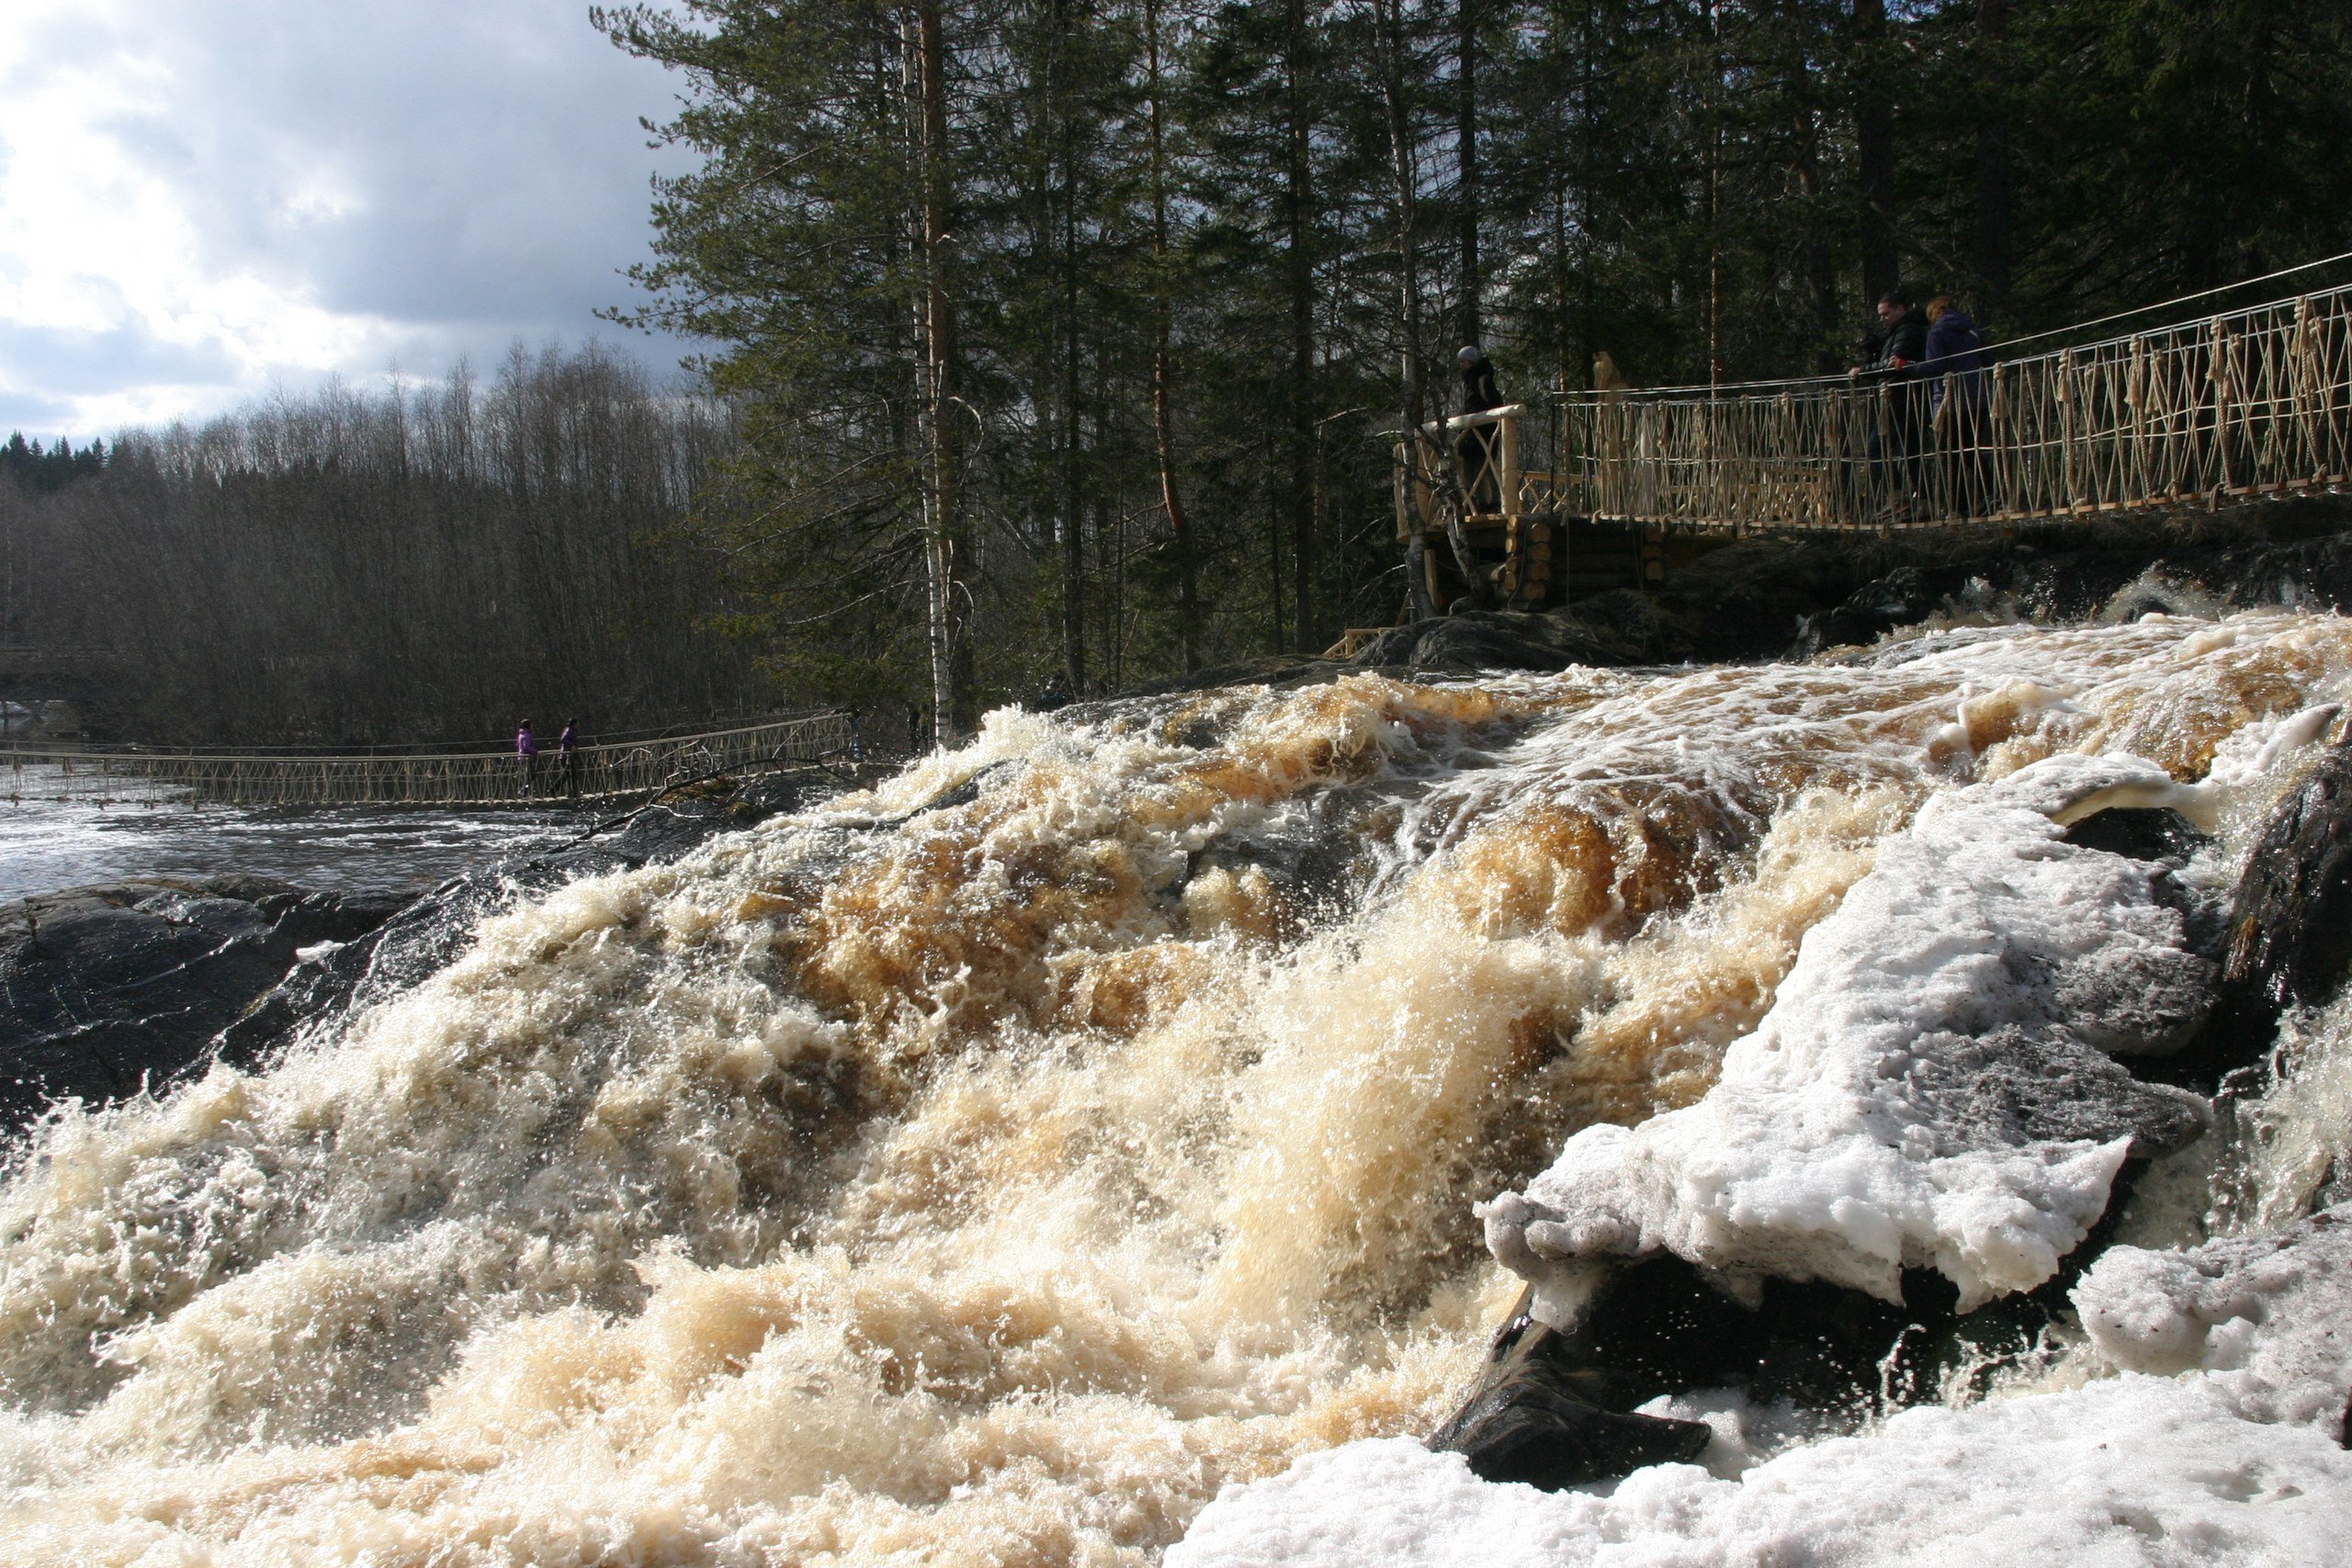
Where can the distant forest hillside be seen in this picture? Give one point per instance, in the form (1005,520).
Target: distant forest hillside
(1062,335)
(421,563)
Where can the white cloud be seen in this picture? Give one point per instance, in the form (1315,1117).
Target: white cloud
(197,202)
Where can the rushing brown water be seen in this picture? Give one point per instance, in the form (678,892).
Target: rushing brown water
(993,1182)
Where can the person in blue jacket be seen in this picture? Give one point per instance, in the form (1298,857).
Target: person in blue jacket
(1953,367)
(1955,354)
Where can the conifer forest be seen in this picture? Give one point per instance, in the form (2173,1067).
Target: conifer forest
(1041,336)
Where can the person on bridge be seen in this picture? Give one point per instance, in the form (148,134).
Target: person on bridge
(1954,370)
(1894,443)
(526,757)
(1054,697)
(567,751)
(1477,447)
(1954,348)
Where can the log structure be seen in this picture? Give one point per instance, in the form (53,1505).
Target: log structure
(2249,403)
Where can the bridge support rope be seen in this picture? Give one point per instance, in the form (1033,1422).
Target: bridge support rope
(36,773)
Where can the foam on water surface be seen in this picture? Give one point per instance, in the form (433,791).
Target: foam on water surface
(993,1167)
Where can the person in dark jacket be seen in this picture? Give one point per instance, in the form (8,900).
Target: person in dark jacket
(1055,695)
(1477,447)
(1479,392)
(526,757)
(1900,431)
(1953,355)
(567,755)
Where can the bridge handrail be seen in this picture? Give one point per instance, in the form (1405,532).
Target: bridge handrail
(2255,401)
(495,750)
(1702,391)
(450,778)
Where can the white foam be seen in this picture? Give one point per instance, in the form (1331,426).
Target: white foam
(2134,1470)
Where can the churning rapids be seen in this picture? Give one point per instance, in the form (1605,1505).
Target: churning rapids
(997,1166)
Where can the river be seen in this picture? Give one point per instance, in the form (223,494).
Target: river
(1073,1143)
(49,845)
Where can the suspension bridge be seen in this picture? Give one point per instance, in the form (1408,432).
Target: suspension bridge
(33,772)
(2235,406)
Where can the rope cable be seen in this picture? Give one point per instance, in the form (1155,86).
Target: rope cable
(1714,392)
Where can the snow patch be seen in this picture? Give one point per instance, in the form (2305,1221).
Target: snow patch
(2134,1469)
(1930,1088)
(2269,1316)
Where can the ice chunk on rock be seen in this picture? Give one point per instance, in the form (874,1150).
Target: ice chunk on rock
(1931,1087)
(2269,1316)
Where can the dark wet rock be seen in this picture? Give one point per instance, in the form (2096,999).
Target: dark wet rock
(1539,1417)
(1543,1405)
(2283,939)
(2291,935)
(105,990)
(1904,597)
(2015,1086)
(2150,834)
(1797,598)
(1491,639)
(1557,1408)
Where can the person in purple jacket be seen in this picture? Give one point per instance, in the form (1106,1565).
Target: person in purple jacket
(526,757)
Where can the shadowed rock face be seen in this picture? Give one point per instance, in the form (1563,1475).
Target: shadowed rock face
(1544,1415)
(105,990)
(2291,935)
(1797,598)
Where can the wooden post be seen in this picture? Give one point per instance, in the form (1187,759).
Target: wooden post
(1506,482)
(2221,378)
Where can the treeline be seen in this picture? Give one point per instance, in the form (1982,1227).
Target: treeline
(1063,331)
(32,468)
(422,562)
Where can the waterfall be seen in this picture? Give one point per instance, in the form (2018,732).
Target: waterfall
(995,1165)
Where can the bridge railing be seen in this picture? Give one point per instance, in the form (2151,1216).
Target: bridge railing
(38,773)
(2252,402)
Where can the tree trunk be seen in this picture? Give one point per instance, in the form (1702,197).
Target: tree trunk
(1073,517)
(1465,143)
(1389,27)
(1995,194)
(1874,149)
(1180,526)
(1299,195)
(939,347)
(1712,105)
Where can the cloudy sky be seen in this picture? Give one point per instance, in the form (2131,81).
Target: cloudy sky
(201,200)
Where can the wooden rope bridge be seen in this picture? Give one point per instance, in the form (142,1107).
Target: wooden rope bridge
(2248,403)
(34,773)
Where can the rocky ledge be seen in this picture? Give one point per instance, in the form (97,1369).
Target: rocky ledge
(1796,598)
(1890,1190)
(106,990)
(109,991)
